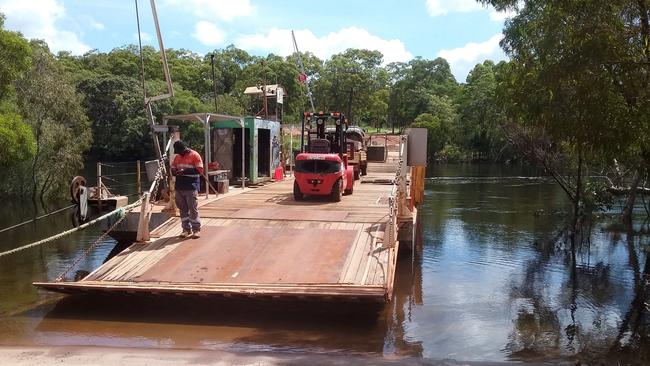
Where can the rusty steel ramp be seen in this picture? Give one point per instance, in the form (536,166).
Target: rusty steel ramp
(235,260)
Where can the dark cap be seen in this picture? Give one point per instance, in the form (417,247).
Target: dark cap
(179,147)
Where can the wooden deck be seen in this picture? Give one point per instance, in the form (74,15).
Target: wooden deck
(262,243)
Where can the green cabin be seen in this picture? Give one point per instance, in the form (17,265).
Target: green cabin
(261,149)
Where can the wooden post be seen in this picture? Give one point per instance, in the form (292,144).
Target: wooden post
(243,152)
(98,189)
(175,136)
(207,147)
(143,221)
(139,180)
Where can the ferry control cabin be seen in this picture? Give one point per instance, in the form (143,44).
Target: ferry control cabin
(223,145)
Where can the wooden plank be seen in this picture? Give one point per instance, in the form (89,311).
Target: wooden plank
(352,255)
(110,264)
(282,213)
(142,251)
(116,262)
(358,256)
(373,293)
(373,259)
(366,254)
(380,270)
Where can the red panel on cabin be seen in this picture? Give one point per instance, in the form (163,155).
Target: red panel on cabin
(238,255)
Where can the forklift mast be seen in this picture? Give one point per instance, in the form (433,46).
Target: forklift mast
(336,140)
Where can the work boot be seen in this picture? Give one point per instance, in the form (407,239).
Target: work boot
(196,234)
(185,234)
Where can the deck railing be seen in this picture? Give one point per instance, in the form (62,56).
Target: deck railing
(397,198)
(397,204)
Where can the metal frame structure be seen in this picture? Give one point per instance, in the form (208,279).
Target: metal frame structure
(205,119)
(339,127)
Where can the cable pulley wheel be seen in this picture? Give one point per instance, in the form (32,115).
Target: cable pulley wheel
(75,187)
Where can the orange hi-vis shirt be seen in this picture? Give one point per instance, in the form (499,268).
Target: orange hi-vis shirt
(192,165)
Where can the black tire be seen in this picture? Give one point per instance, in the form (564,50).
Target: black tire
(335,195)
(297,194)
(349,192)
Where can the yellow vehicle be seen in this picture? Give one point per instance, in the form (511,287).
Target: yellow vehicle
(357,156)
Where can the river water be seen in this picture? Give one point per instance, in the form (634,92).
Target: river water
(490,283)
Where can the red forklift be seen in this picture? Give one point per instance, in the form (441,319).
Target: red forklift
(322,167)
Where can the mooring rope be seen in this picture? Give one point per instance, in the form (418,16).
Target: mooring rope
(160,174)
(36,219)
(85,253)
(122,211)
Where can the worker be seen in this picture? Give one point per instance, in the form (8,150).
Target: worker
(187,167)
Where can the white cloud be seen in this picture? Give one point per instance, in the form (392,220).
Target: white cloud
(500,16)
(279,42)
(38,20)
(226,10)
(96,25)
(463,59)
(444,7)
(208,34)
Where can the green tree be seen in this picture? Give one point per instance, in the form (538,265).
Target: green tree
(14,58)
(577,88)
(377,113)
(273,70)
(52,107)
(413,85)
(114,104)
(16,140)
(313,68)
(192,72)
(347,82)
(439,123)
(229,65)
(480,117)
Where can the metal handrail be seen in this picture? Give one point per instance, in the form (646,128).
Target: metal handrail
(396,196)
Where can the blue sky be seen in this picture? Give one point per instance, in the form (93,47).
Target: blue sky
(462,31)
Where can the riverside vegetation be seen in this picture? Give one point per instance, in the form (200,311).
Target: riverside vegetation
(573,99)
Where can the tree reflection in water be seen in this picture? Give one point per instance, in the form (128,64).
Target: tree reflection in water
(588,317)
